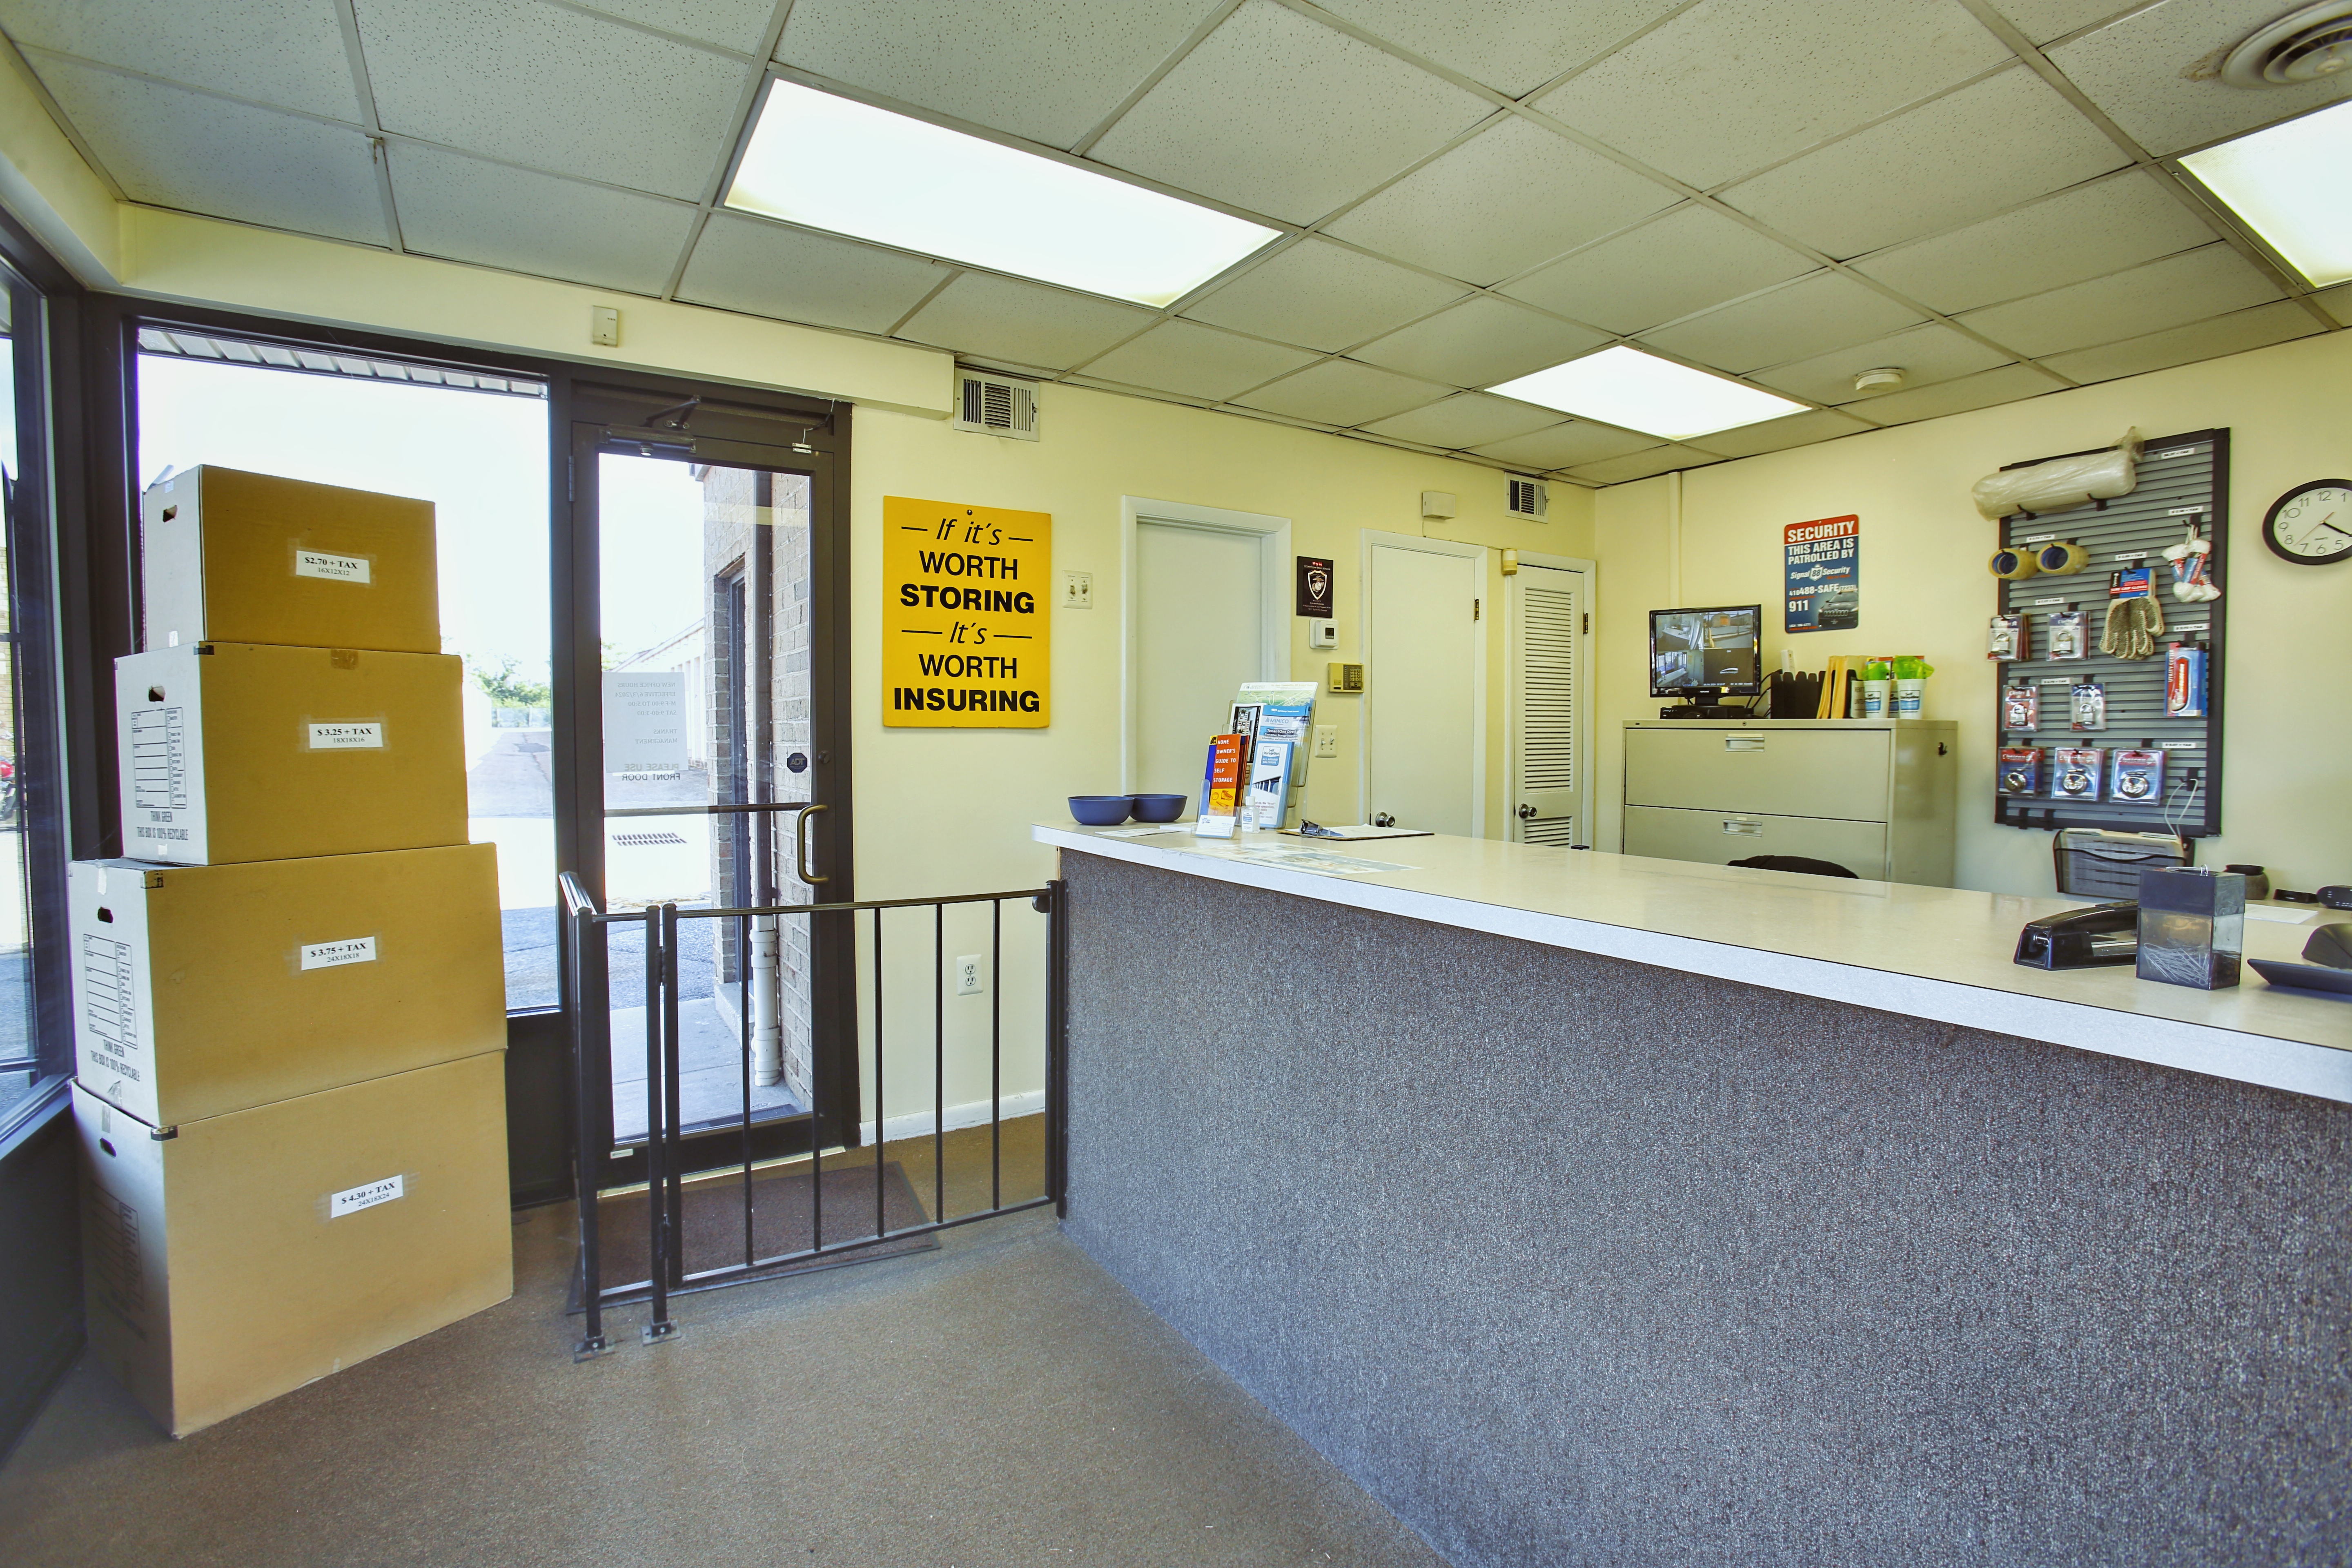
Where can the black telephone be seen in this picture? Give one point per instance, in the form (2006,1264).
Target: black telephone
(2078,939)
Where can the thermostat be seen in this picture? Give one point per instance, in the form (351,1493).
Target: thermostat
(1322,634)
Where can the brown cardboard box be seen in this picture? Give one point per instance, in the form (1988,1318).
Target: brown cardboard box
(203,990)
(232,751)
(249,1254)
(227,556)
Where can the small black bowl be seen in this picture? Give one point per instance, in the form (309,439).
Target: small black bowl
(1159,807)
(1101,810)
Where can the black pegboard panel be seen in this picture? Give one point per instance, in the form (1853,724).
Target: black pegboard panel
(2181,479)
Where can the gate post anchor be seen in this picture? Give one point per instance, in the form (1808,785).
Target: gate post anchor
(591,1348)
(655,1333)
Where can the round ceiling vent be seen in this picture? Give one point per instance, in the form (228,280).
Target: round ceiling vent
(1886,378)
(2309,45)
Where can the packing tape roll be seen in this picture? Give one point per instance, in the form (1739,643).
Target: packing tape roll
(2062,557)
(2016,565)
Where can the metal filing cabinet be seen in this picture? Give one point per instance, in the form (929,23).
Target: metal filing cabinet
(1873,796)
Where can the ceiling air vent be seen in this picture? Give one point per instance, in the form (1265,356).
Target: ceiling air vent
(996,405)
(1527,499)
(2309,45)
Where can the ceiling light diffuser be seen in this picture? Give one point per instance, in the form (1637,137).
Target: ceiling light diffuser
(829,163)
(1641,392)
(2287,184)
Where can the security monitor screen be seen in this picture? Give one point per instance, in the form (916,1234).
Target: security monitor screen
(1706,650)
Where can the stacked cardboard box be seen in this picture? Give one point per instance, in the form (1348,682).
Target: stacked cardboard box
(290,1019)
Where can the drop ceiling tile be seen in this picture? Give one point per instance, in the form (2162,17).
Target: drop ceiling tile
(738,25)
(1512,46)
(2042,20)
(1731,86)
(1480,341)
(1323,296)
(289,52)
(2137,69)
(992,318)
(1567,445)
(1197,361)
(494,214)
(2233,333)
(2168,293)
(1280,114)
(1685,261)
(1967,154)
(555,89)
(1925,355)
(172,148)
(1982,390)
(1466,421)
(2337,303)
(1811,316)
(766,269)
(2087,232)
(1511,196)
(1045,69)
(1341,392)
(1642,465)
(1779,435)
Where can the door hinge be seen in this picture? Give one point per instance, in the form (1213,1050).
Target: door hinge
(1587,623)
(1474,609)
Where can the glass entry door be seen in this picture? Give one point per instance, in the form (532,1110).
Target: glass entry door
(717,764)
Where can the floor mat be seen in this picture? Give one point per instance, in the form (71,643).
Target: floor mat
(783,1213)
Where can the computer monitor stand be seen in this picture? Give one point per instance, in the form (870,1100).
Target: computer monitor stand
(1706,703)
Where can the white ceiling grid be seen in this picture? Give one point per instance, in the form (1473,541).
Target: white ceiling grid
(1980,192)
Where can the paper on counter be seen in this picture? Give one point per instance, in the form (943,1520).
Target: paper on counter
(2285,917)
(1315,860)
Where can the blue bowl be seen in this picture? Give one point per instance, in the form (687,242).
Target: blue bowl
(1101,810)
(1159,807)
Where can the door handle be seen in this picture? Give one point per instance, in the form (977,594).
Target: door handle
(801,845)
(1526,811)
(1382,819)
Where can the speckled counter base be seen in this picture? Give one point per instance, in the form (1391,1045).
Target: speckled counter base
(1570,1261)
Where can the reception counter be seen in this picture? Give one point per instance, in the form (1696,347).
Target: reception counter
(1591,1208)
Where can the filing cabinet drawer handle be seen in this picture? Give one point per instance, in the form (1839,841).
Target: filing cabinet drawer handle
(1738,825)
(1743,742)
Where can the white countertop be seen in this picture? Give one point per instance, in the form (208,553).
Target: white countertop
(1928,952)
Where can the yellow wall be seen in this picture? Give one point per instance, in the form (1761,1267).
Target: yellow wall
(2287,750)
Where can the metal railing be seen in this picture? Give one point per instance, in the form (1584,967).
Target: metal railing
(666,1273)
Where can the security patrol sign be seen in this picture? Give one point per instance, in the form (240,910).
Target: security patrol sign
(965,615)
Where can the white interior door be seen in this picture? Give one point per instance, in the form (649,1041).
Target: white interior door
(1200,633)
(1425,708)
(1547,783)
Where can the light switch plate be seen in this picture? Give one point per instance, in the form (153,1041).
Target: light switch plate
(1078,590)
(1326,740)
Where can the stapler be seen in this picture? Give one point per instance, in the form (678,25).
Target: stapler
(2079,939)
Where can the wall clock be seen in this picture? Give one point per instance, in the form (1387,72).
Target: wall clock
(2311,525)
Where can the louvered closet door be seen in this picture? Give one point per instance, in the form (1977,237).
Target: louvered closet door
(1547,783)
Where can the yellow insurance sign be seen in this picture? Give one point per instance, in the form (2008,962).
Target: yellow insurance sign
(966,616)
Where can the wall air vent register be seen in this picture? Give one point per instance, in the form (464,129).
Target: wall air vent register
(1529,498)
(996,405)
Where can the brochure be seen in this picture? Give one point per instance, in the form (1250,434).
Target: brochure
(1269,791)
(1220,788)
(1287,713)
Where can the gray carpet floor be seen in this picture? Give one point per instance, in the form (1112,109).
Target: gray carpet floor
(1001,1401)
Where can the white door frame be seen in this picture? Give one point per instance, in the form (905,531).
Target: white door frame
(1272,534)
(1582,679)
(1373,538)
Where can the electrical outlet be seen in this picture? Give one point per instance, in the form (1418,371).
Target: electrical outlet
(968,976)
(1326,740)
(1078,590)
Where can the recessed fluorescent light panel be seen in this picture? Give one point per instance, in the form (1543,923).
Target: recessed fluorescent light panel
(2287,184)
(827,162)
(1641,392)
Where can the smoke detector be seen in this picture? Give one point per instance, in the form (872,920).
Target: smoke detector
(1887,377)
(2309,45)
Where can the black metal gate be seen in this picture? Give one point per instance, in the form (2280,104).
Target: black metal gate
(665,1176)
